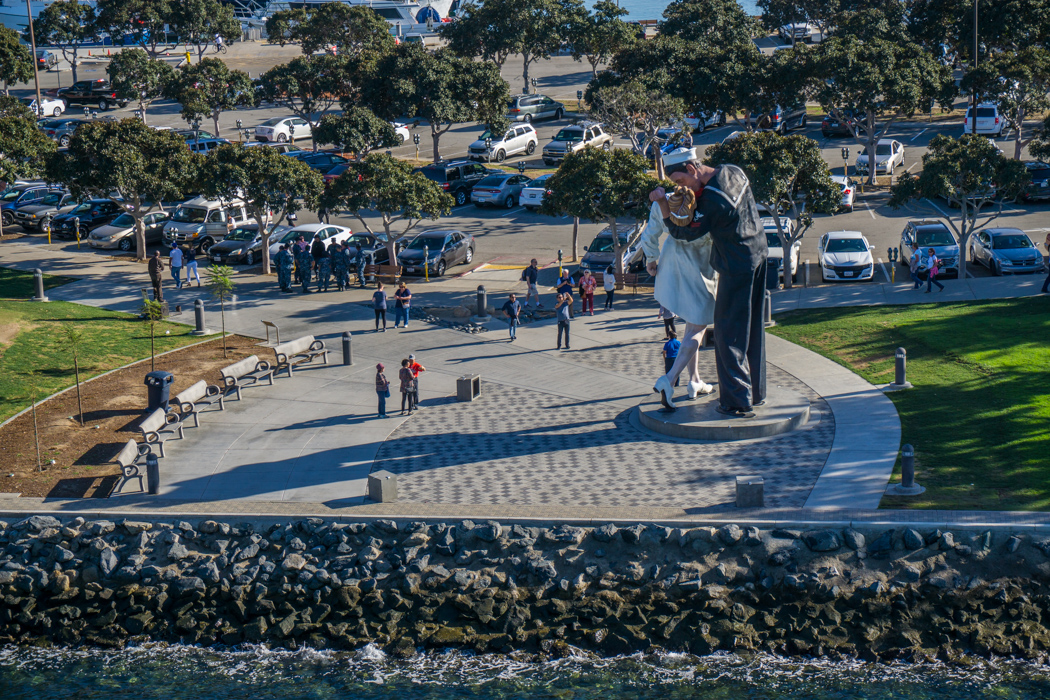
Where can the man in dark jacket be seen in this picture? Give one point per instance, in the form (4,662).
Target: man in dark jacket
(725,210)
(156,268)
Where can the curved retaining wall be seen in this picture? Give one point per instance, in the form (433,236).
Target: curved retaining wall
(876,593)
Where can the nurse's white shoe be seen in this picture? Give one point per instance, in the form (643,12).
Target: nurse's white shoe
(699,389)
(664,388)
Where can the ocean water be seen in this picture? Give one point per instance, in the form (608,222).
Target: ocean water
(654,9)
(189,673)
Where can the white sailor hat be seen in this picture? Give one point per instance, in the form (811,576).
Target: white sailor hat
(679,155)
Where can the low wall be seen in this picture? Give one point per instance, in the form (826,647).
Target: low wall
(874,593)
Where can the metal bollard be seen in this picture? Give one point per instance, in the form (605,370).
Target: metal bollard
(482,311)
(348,351)
(900,371)
(907,486)
(38,282)
(152,474)
(198,319)
(767,310)
(807,273)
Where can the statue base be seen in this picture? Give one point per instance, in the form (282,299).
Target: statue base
(697,419)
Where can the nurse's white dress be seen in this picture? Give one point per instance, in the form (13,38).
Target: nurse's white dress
(685,280)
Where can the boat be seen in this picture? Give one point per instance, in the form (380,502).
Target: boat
(404,17)
(13,12)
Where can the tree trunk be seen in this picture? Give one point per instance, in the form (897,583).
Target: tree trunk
(1018,145)
(525,70)
(617,248)
(659,162)
(80,404)
(140,233)
(142,111)
(73,66)
(872,139)
(964,238)
(264,256)
(594,67)
(215,119)
(152,345)
(575,238)
(222,314)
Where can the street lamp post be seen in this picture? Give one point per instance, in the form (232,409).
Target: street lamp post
(973,108)
(36,72)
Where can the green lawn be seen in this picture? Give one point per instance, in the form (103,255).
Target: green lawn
(34,358)
(979,413)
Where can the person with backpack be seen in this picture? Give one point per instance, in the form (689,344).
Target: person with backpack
(382,389)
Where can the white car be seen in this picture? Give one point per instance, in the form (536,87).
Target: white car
(328,233)
(888,155)
(989,122)
(532,196)
(402,131)
(520,138)
(776,251)
(845,255)
(282,129)
(801,30)
(699,121)
(849,191)
(52,107)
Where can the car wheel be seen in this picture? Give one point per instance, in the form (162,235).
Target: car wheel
(125,244)
(461,197)
(64,142)
(531,148)
(439,270)
(527,119)
(501,156)
(282,138)
(802,124)
(509,202)
(558,113)
(607,146)
(56,112)
(700,126)
(722,120)
(206,245)
(998,269)
(103,105)
(249,258)
(470,256)
(8,218)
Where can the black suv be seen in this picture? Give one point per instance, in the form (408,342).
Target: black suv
(1038,181)
(839,121)
(92,214)
(94,92)
(456,177)
(782,120)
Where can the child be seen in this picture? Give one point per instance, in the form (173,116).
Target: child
(671,348)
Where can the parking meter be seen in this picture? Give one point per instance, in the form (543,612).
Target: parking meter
(415,140)
(240,126)
(579,99)
(87,112)
(894,256)
(76,227)
(94,115)
(521,167)
(47,227)
(426,263)
(559,263)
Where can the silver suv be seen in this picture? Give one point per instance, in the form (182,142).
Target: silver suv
(575,138)
(525,108)
(520,138)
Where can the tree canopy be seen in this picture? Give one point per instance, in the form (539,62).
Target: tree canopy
(16,63)
(598,35)
(137,77)
(710,22)
(308,86)
(355,30)
(144,21)
(209,88)
(24,149)
(357,130)
(196,22)
(639,112)
(1018,83)
(65,25)
(776,13)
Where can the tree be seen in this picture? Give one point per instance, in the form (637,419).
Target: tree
(355,30)
(970,171)
(220,284)
(24,149)
(387,186)
(1007,25)
(439,87)
(784,171)
(600,186)
(152,311)
(270,183)
(196,22)
(208,89)
(599,35)
(1018,83)
(357,130)
(308,86)
(128,162)
(884,80)
(1040,146)
(143,21)
(710,22)
(75,342)
(632,109)
(16,63)
(137,77)
(65,25)
(777,13)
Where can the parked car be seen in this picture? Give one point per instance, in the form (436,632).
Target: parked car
(194,134)
(328,233)
(94,92)
(401,130)
(22,195)
(575,138)
(889,153)
(319,161)
(923,234)
(282,129)
(285,148)
(374,248)
(31,217)
(1004,250)
(456,177)
(205,146)
(88,215)
(51,106)
(699,121)
(499,190)
(800,31)
(845,255)
(333,174)
(521,138)
(1038,181)
(782,120)
(989,122)
(849,191)
(45,60)
(526,108)
(202,222)
(443,250)
(120,233)
(243,244)
(532,194)
(841,122)
(776,251)
(61,130)
(601,253)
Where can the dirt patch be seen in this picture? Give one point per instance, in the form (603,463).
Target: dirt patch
(113,406)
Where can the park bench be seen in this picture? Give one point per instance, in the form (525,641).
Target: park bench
(627,279)
(160,427)
(195,399)
(128,458)
(383,273)
(297,352)
(250,370)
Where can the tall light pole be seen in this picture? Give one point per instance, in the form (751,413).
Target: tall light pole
(973,108)
(36,73)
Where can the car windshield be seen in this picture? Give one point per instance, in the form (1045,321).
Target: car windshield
(124,220)
(934,237)
(540,181)
(772,240)
(241,234)
(882,149)
(51,199)
(339,169)
(604,244)
(364,240)
(1039,174)
(273,122)
(492,181)
(189,215)
(1011,241)
(291,236)
(569,135)
(431,242)
(11,195)
(982,112)
(846,245)
(81,208)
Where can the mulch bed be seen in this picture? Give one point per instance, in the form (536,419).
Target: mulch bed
(113,406)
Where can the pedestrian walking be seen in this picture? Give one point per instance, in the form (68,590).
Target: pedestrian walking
(322,216)
(913,265)
(530,276)
(670,352)
(189,257)
(933,265)
(382,389)
(303,261)
(565,285)
(512,309)
(561,311)
(156,270)
(175,260)
(609,284)
(1046,284)
(379,304)
(359,261)
(292,218)
(284,263)
(408,387)
(402,303)
(668,318)
(416,370)
(587,286)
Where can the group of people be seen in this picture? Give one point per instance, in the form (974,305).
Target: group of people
(402,305)
(925,263)
(302,263)
(564,300)
(179,257)
(408,377)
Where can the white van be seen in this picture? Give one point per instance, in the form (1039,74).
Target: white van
(989,122)
(201,222)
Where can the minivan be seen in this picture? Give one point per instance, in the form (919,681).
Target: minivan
(782,120)
(201,222)
(205,146)
(989,123)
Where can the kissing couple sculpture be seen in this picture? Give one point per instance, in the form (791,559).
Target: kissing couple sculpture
(711,270)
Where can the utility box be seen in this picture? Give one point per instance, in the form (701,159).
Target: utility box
(750,492)
(468,387)
(382,487)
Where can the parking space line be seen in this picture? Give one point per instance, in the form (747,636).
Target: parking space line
(930,202)
(908,170)
(885,272)
(869,210)
(918,134)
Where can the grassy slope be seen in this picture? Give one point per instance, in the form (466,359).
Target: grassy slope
(34,358)
(978,416)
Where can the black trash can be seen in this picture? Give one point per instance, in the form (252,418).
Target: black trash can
(773,273)
(158,385)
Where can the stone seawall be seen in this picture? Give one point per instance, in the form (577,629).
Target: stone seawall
(876,593)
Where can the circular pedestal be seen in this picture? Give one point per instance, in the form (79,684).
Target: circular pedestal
(697,419)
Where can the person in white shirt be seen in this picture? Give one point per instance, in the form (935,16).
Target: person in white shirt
(175,259)
(609,283)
